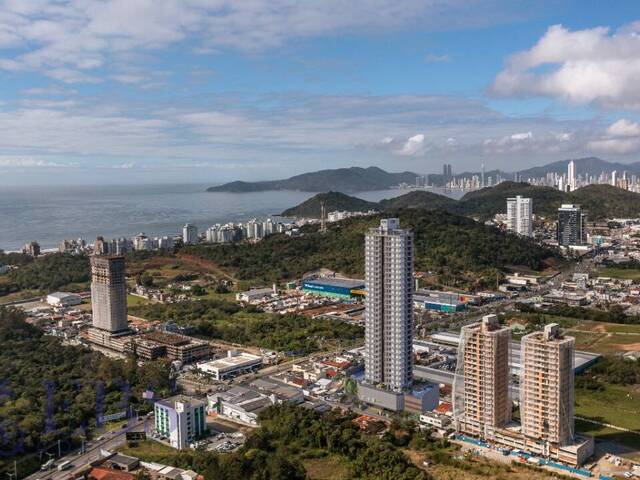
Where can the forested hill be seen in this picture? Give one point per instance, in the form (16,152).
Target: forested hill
(340,201)
(51,391)
(354,179)
(452,245)
(486,202)
(332,201)
(599,201)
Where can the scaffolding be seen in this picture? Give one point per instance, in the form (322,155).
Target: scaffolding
(481,400)
(546,387)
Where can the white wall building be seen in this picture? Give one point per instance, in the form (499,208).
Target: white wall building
(63,299)
(519,215)
(389,306)
(180,420)
(233,364)
(189,234)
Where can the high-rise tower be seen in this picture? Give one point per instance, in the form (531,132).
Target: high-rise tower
(519,214)
(571,225)
(546,386)
(389,306)
(108,293)
(571,176)
(481,385)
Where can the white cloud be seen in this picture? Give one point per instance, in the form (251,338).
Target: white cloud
(624,128)
(66,39)
(621,137)
(581,67)
(414,145)
(435,58)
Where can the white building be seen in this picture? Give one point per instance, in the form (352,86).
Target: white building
(63,299)
(180,420)
(519,215)
(233,364)
(189,234)
(571,175)
(389,306)
(239,403)
(254,294)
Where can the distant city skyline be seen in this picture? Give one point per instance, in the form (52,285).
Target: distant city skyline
(104,92)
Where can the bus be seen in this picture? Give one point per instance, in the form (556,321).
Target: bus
(64,465)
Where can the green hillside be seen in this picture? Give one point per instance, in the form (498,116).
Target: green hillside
(600,201)
(353,179)
(486,202)
(418,199)
(332,201)
(449,244)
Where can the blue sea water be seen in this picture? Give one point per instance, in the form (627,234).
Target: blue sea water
(50,214)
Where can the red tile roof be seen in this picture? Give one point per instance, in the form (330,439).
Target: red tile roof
(101,473)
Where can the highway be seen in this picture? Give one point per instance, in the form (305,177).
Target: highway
(79,461)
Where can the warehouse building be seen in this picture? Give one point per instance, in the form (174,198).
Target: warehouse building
(233,364)
(63,299)
(333,287)
(438,301)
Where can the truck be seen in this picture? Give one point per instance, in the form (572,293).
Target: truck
(64,465)
(48,465)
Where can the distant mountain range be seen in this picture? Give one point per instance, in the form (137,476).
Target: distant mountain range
(599,201)
(587,165)
(353,179)
(357,179)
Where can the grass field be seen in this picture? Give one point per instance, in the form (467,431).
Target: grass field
(327,468)
(148,450)
(621,273)
(605,338)
(616,405)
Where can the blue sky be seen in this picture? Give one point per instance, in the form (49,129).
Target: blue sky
(109,91)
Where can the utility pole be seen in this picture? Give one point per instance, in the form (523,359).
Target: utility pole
(323,224)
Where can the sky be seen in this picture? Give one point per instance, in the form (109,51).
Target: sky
(157,91)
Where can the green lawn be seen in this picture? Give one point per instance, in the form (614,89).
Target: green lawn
(133,301)
(327,468)
(621,273)
(616,405)
(148,450)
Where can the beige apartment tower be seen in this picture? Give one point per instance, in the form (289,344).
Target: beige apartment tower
(481,386)
(108,293)
(546,386)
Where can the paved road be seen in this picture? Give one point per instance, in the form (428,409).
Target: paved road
(110,441)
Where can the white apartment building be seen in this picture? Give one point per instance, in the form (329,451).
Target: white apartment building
(180,420)
(389,306)
(519,215)
(189,234)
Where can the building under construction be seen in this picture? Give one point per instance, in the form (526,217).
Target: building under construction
(481,385)
(482,407)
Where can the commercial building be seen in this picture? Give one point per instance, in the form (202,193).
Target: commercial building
(32,249)
(388,314)
(571,226)
(255,294)
(546,386)
(108,293)
(519,215)
(189,234)
(233,364)
(333,287)
(481,386)
(438,301)
(180,420)
(149,346)
(63,299)
(239,403)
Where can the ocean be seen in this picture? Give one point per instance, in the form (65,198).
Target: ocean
(50,214)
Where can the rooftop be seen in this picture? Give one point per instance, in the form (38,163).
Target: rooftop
(335,282)
(172,401)
(232,361)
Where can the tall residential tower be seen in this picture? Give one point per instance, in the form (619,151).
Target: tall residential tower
(571,227)
(546,386)
(481,385)
(519,215)
(108,293)
(389,306)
